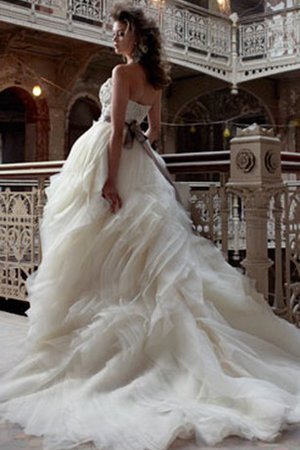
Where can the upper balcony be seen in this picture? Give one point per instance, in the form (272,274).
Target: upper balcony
(224,47)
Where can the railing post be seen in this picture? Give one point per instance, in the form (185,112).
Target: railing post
(41,200)
(224,221)
(33,11)
(279,297)
(234,52)
(69,14)
(255,176)
(257,263)
(236,227)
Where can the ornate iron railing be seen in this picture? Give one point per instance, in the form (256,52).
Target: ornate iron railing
(268,43)
(21,207)
(19,249)
(223,47)
(218,214)
(292,240)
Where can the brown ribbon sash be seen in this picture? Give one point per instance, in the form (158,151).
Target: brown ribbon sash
(134,131)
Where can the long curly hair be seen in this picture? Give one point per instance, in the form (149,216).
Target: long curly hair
(148,43)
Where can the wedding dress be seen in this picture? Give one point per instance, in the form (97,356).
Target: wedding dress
(138,330)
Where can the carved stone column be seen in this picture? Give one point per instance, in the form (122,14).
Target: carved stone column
(42,131)
(257,263)
(255,176)
(57,133)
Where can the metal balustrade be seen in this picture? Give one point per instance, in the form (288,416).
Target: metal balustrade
(218,214)
(269,44)
(211,43)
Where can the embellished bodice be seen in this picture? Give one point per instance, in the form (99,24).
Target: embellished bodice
(135,111)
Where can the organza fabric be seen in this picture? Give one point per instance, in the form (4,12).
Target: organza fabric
(138,330)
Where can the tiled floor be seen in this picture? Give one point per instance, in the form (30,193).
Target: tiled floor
(13,438)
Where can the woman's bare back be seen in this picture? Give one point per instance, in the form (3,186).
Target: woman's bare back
(141,91)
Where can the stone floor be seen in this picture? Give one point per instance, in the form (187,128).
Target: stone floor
(13,438)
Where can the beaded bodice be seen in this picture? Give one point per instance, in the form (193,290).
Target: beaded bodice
(135,111)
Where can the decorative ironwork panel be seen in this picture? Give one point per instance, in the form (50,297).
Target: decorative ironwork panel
(271,225)
(236,226)
(282,35)
(19,246)
(292,242)
(152,10)
(60,4)
(253,39)
(197,31)
(269,45)
(219,37)
(209,214)
(174,25)
(89,9)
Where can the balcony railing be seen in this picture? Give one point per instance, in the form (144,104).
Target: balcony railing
(268,43)
(214,44)
(217,212)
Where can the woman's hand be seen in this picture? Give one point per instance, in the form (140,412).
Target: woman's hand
(110,193)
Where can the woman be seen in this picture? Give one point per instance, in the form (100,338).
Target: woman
(139,80)
(139,331)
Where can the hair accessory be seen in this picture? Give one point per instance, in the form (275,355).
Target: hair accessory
(140,51)
(143,48)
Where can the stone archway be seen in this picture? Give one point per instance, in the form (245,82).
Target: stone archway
(24,126)
(201,122)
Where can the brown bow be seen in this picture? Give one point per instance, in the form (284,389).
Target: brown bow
(134,131)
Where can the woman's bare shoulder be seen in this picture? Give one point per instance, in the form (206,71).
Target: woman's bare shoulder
(119,70)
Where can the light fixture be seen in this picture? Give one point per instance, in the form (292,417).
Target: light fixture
(224,6)
(234,89)
(226,132)
(295,122)
(36,90)
(158,3)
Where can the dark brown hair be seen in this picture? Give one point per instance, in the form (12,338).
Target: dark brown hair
(148,37)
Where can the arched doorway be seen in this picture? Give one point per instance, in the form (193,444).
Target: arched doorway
(82,114)
(24,126)
(12,127)
(202,122)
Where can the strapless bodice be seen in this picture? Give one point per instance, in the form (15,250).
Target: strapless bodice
(135,111)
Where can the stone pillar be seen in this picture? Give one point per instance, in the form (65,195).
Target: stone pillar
(257,263)
(57,133)
(255,176)
(42,131)
(30,142)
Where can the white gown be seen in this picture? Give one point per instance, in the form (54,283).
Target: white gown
(138,330)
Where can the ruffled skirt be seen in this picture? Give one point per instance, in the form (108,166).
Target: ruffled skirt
(138,330)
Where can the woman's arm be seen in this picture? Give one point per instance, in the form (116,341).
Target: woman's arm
(154,119)
(120,97)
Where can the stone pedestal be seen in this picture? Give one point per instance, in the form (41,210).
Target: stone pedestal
(255,176)
(255,158)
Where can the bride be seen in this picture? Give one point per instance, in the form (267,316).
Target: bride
(138,330)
